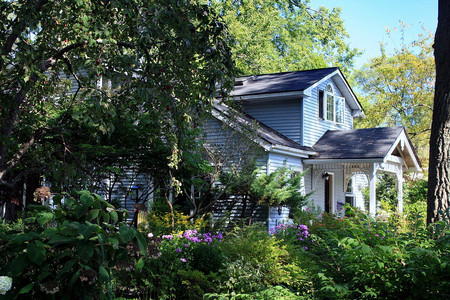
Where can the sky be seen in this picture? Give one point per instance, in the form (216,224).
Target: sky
(366,22)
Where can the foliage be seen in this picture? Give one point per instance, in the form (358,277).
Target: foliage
(367,259)
(398,90)
(255,261)
(281,187)
(69,251)
(178,265)
(103,80)
(159,223)
(224,164)
(276,36)
(386,193)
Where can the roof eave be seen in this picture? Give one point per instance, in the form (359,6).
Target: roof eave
(319,161)
(292,151)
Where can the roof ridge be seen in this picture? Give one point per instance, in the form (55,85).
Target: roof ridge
(287,72)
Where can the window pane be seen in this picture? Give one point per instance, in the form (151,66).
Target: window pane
(330,107)
(339,110)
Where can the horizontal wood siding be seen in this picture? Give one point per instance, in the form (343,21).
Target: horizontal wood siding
(313,127)
(284,116)
(277,161)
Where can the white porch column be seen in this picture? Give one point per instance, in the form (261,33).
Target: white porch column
(400,191)
(373,190)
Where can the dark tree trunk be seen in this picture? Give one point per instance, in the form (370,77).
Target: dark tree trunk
(439,170)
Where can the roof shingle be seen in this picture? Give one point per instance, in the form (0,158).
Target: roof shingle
(357,143)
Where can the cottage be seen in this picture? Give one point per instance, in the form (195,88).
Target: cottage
(305,120)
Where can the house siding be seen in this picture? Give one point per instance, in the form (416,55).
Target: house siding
(313,127)
(285,116)
(280,215)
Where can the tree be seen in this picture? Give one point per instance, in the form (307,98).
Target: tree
(276,36)
(99,80)
(439,168)
(398,90)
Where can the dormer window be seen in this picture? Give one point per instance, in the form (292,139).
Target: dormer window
(331,106)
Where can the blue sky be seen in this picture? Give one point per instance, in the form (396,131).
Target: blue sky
(366,21)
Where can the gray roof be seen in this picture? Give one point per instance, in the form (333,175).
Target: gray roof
(357,143)
(264,132)
(279,82)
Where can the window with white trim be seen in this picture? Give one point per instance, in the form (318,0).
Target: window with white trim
(331,106)
(349,196)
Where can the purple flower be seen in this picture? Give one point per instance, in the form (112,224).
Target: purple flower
(178,250)
(167,237)
(186,245)
(183,259)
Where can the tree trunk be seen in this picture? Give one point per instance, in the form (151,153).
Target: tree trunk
(439,168)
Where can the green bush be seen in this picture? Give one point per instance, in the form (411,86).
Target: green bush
(359,258)
(68,252)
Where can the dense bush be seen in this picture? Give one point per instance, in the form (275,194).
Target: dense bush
(83,250)
(68,252)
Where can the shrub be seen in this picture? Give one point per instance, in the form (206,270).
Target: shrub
(67,252)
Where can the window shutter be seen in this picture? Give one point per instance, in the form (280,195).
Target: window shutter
(321,104)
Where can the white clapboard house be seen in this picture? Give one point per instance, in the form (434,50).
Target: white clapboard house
(305,121)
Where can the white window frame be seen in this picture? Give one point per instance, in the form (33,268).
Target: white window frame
(336,101)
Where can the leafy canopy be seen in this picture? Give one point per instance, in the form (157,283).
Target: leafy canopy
(74,71)
(275,36)
(398,90)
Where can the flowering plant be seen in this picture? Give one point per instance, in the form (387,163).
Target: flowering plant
(5,284)
(294,233)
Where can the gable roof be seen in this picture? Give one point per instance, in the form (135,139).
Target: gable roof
(279,82)
(367,144)
(232,117)
(293,84)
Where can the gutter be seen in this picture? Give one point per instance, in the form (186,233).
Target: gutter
(291,151)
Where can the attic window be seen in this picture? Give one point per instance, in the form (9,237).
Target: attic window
(333,106)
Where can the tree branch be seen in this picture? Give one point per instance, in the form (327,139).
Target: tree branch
(19,154)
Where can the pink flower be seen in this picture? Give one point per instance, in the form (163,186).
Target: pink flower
(183,259)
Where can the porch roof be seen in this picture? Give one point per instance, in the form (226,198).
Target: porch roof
(368,144)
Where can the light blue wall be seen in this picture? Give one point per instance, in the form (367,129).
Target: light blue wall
(285,116)
(314,127)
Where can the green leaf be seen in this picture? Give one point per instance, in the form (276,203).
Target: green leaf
(126,233)
(24,237)
(26,288)
(140,264)
(85,250)
(86,231)
(93,214)
(114,216)
(36,253)
(106,217)
(73,279)
(45,217)
(142,242)
(103,274)
(365,250)
(19,263)
(80,211)
(86,199)
(67,266)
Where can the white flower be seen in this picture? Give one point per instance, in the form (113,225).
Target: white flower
(150,235)
(5,284)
